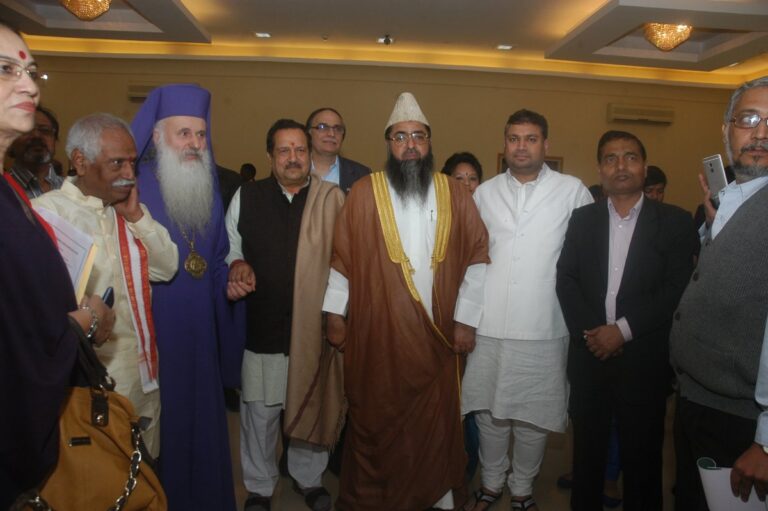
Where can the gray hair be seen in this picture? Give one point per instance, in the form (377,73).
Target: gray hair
(85,134)
(757,82)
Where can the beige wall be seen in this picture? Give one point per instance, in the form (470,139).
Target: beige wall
(467,110)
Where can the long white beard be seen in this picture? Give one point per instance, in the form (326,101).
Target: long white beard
(187,188)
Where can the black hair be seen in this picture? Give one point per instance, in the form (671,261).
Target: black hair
(52,118)
(611,135)
(247,171)
(284,124)
(524,116)
(655,176)
(455,159)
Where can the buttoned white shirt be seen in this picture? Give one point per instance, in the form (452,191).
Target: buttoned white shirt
(526,223)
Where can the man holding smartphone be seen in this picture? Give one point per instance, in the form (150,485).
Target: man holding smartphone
(131,249)
(718,342)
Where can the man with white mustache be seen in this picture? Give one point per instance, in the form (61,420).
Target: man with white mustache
(131,250)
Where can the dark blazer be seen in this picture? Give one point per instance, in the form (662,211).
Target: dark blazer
(659,264)
(349,172)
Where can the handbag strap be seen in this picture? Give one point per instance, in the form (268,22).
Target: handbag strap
(38,503)
(89,364)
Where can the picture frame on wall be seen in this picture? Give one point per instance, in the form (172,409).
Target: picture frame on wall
(553,162)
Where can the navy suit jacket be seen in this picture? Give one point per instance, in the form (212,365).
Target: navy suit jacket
(658,266)
(349,172)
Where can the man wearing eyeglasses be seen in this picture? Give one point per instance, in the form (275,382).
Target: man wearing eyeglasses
(32,155)
(403,300)
(327,133)
(719,340)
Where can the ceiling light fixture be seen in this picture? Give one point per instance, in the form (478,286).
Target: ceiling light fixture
(505,47)
(262,35)
(386,40)
(86,10)
(667,37)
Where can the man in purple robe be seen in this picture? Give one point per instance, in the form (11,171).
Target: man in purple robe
(199,330)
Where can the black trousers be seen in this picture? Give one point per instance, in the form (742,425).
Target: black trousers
(640,427)
(701,431)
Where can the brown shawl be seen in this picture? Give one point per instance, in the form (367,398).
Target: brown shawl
(404,447)
(314,406)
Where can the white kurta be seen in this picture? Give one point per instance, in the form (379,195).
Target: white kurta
(120,353)
(517,370)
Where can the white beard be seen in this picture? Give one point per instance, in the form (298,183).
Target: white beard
(187,188)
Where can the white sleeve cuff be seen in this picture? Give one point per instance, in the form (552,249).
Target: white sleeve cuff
(469,304)
(336,294)
(626,332)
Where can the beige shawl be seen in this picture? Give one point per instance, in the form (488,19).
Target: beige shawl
(315,406)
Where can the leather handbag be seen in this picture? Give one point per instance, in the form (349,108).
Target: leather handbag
(102,462)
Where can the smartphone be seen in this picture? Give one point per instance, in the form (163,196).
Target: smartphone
(108,297)
(715,174)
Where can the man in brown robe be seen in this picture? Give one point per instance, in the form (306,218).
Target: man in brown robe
(406,241)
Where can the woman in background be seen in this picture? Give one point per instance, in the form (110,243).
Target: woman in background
(465,168)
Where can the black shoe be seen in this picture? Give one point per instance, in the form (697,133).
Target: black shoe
(256,502)
(317,499)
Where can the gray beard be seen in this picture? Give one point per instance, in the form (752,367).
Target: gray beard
(411,178)
(741,171)
(187,188)
(748,172)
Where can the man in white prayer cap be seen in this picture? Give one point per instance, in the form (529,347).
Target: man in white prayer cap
(404,297)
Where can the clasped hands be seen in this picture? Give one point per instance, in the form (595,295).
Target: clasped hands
(605,341)
(240,281)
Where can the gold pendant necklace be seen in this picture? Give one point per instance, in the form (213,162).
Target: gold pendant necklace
(194,264)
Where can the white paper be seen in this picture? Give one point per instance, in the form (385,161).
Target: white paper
(717,488)
(76,248)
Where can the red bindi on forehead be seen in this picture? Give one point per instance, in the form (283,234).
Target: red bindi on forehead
(22,54)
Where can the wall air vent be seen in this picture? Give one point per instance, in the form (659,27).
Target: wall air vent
(618,112)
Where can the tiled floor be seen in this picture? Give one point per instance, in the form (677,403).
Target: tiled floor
(557,461)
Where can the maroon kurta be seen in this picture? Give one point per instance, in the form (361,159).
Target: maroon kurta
(404,447)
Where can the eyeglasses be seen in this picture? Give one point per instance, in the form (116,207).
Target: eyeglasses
(401,138)
(11,71)
(327,128)
(748,121)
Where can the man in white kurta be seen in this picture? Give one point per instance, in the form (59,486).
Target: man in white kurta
(92,202)
(515,379)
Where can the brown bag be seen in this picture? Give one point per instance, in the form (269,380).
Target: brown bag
(101,465)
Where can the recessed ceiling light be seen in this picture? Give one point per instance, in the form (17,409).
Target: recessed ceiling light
(262,35)
(387,39)
(505,47)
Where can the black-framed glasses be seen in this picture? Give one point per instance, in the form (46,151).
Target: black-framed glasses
(401,137)
(11,71)
(327,128)
(748,121)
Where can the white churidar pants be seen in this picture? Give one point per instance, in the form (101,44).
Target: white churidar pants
(527,453)
(259,434)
